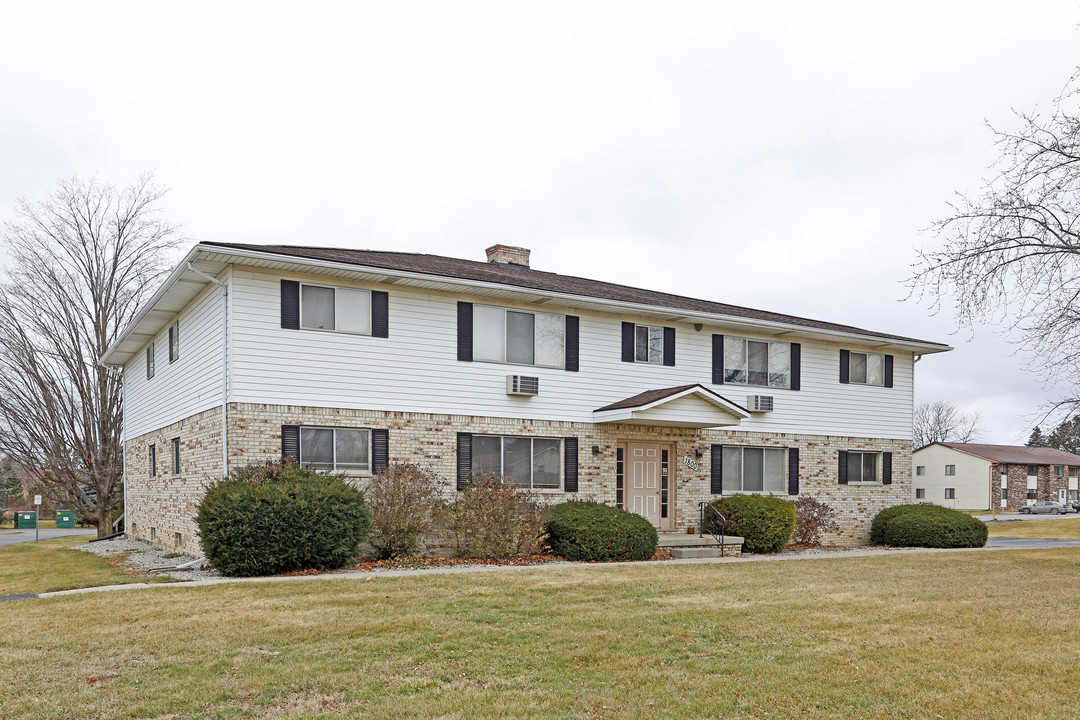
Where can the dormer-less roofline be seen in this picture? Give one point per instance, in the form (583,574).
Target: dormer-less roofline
(439,273)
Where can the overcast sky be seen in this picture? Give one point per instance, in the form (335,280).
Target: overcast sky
(784,156)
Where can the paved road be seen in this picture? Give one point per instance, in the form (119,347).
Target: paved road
(11,537)
(1029,544)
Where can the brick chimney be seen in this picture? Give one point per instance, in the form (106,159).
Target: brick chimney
(508,255)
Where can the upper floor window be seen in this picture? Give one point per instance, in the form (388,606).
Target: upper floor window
(756,362)
(174,341)
(150,361)
(862,467)
(1059,471)
(950,469)
(1004,469)
(750,469)
(648,344)
(866,368)
(920,469)
(517,336)
(1033,470)
(335,449)
(531,463)
(334,308)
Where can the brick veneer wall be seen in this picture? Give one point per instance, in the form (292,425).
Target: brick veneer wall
(430,441)
(160,507)
(1016,485)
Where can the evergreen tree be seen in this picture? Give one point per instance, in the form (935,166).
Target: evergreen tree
(1037,438)
(1066,436)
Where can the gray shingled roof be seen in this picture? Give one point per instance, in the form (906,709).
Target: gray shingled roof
(1016,454)
(523,277)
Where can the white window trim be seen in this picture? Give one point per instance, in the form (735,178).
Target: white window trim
(742,478)
(663,344)
(334,329)
(534,313)
(920,470)
(877,470)
(350,472)
(950,471)
(502,460)
(176,461)
(746,368)
(852,381)
(950,490)
(174,342)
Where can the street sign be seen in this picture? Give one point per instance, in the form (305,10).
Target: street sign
(37,499)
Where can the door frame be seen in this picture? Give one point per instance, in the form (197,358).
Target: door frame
(666,480)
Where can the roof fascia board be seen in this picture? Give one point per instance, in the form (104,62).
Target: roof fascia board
(715,400)
(146,309)
(614,306)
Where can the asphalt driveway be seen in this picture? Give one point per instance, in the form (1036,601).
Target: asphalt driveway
(11,537)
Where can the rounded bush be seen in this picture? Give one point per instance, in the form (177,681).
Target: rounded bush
(278,517)
(927,526)
(765,523)
(590,532)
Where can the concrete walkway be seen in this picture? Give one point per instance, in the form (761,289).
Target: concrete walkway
(457,570)
(11,537)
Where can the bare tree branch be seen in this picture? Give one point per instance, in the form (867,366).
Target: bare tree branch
(83,261)
(942,421)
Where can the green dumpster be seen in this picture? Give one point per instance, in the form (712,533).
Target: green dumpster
(26,519)
(65,519)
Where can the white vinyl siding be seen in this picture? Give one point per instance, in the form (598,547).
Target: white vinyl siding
(416,368)
(971,481)
(187,386)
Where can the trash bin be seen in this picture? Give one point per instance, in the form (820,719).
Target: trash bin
(65,519)
(26,519)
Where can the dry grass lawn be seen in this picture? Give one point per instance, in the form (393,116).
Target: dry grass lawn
(951,635)
(1065,528)
(36,567)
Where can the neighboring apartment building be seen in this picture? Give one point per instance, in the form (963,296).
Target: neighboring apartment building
(575,388)
(974,476)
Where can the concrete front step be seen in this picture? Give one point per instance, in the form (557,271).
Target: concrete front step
(683,540)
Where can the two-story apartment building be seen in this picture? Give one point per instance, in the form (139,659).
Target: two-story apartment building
(979,476)
(353,359)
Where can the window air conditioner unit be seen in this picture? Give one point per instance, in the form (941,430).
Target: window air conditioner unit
(759,403)
(522,385)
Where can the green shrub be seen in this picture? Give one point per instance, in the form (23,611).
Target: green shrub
(492,518)
(927,526)
(588,531)
(277,517)
(765,523)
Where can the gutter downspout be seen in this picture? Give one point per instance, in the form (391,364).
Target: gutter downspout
(224,366)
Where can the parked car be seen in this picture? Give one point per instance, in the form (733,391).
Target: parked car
(1048,506)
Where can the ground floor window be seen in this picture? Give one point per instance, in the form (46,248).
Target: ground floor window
(1031,494)
(862,466)
(920,493)
(1072,496)
(530,463)
(1004,493)
(749,469)
(336,449)
(950,493)
(176,456)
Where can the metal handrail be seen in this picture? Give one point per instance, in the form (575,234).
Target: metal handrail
(701,524)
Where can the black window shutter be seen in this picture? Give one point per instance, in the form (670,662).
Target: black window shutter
(716,470)
(571,359)
(464,459)
(841,472)
(886,468)
(669,346)
(718,359)
(380,314)
(796,366)
(628,342)
(290,304)
(290,442)
(380,450)
(793,471)
(570,468)
(464,332)
(845,365)
(888,370)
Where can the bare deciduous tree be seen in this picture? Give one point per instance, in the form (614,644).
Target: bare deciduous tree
(942,421)
(82,262)
(1012,254)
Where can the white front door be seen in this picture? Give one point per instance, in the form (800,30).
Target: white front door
(1063,496)
(643,493)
